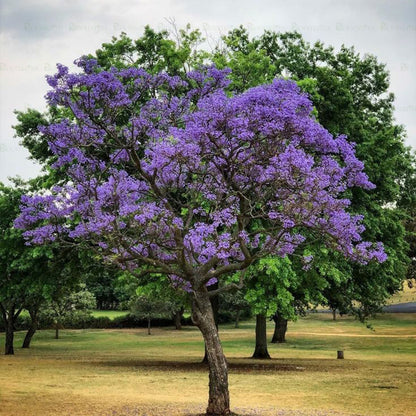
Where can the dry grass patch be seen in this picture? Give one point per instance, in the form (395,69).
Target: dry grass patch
(407,294)
(126,372)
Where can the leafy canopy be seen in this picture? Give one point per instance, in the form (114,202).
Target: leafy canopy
(179,176)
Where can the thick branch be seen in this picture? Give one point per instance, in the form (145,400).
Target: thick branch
(229,287)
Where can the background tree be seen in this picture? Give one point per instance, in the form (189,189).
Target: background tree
(233,306)
(152,302)
(268,286)
(33,304)
(68,304)
(351,95)
(171,300)
(102,280)
(22,268)
(175,53)
(408,203)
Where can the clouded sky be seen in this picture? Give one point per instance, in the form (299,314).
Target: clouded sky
(36,34)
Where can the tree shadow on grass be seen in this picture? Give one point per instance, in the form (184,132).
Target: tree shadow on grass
(172,410)
(241,366)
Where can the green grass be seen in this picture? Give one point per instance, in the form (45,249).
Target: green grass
(108,314)
(96,313)
(126,372)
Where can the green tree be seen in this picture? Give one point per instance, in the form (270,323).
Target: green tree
(175,53)
(154,300)
(22,268)
(68,304)
(351,95)
(408,203)
(269,290)
(232,305)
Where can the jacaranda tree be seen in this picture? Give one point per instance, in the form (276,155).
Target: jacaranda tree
(175,176)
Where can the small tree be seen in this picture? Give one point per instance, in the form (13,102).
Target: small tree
(233,303)
(149,306)
(172,300)
(68,305)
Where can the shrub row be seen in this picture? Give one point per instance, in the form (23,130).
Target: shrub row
(84,321)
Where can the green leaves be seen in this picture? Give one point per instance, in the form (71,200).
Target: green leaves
(269,287)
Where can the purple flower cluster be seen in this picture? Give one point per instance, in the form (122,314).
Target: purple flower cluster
(175,175)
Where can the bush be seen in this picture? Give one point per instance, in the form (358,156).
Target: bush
(101,322)
(86,320)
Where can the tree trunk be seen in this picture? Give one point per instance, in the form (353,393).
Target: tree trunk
(215,304)
(261,338)
(148,326)
(32,329)
(56,330)
(334,314)
(237,318)
(177,318)
(203,317)
(9,317)
(9,350)
(29,334)
(280,328)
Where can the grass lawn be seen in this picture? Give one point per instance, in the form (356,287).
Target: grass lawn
(108,314)
(126,372)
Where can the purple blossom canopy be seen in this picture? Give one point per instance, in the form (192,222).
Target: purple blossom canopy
(176,175)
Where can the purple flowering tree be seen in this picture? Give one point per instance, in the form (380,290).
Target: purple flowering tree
(171,175)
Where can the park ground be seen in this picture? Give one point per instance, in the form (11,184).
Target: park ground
(128,373)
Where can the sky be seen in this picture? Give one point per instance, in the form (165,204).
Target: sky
(37,34)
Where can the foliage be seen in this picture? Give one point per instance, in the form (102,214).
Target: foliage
(180,158)
(101,279)
(149,307)
(350,95)
(68,305)
(157,299)
(269,285)
(233,306)
(22,268)
(19,264)
(408,203)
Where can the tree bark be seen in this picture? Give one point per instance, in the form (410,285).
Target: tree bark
(56,330)
(177,318)
(9,349)
(9,317)
(32,329)
(280,328)
(203,317)
(148,326)
(215,304)
(334,314)
(28,337)
(260,351)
